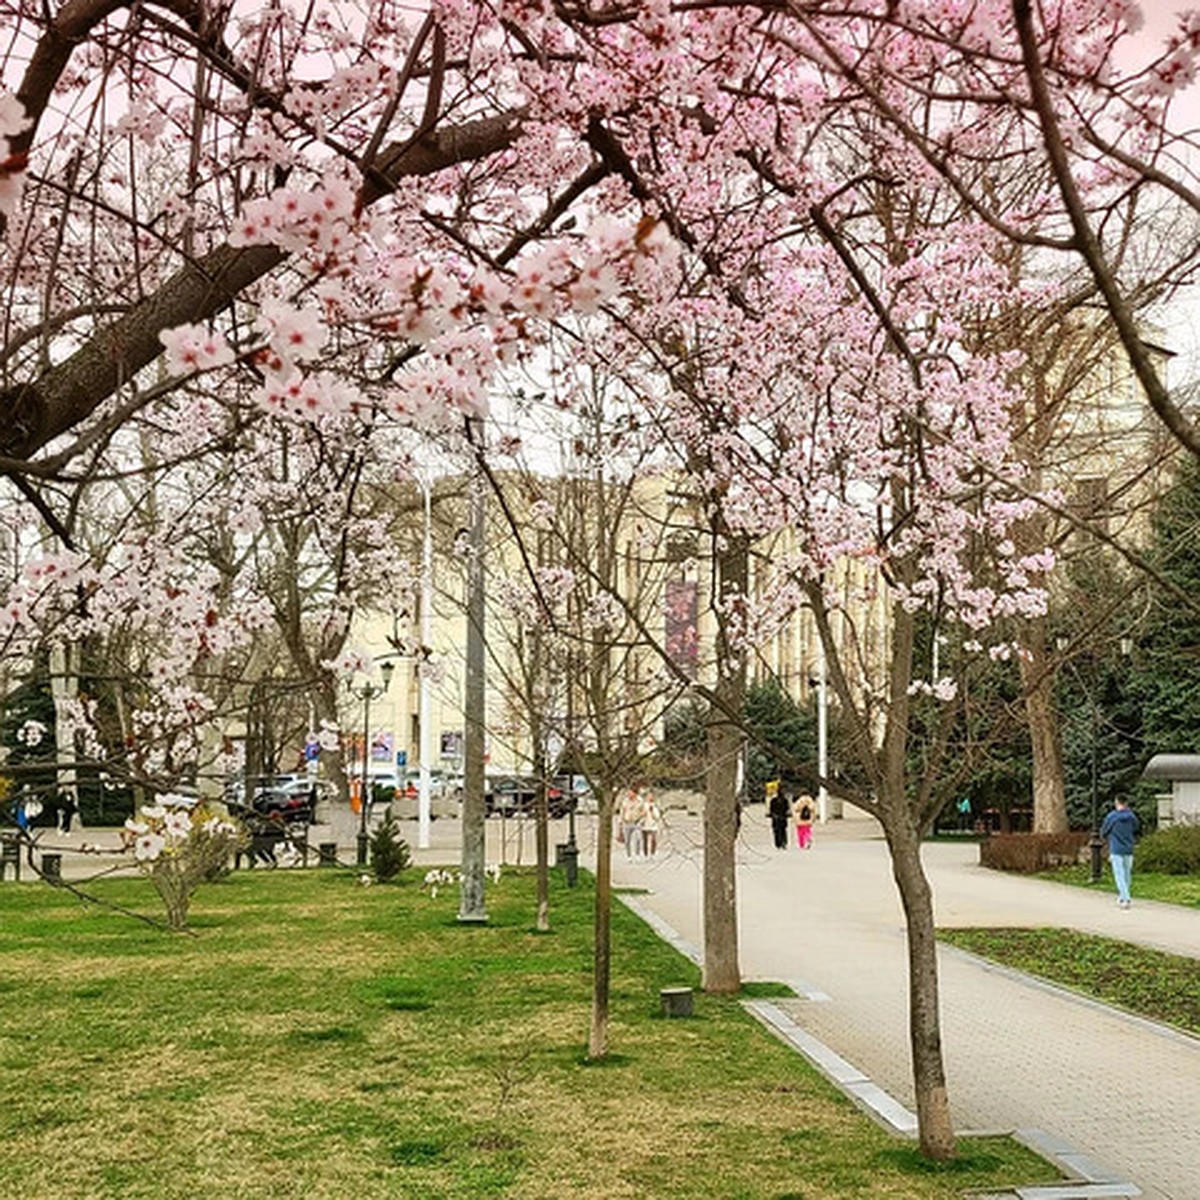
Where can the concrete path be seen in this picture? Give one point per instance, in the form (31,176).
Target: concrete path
(1124,1092)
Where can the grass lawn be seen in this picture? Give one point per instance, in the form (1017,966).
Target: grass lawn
(316,1039)
(1164,987)
(1172,889)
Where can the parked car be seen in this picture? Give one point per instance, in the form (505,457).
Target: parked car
(289,797)
(293,806)
(516,795)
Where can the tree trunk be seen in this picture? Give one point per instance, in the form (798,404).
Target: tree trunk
(602,928)
(722,973)
(1049,794)
(935,1130)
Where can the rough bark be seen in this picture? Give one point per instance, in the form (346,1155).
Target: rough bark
(541,834)
(903,829)
(1049,793)
(722,973)
(602,928)
(935,1129)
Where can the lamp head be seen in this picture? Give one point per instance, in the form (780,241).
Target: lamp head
(386,669)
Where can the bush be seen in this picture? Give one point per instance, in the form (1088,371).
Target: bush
(1031,852)
(1173,851)
(390,853)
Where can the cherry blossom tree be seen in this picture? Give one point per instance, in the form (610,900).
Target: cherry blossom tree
(784,210)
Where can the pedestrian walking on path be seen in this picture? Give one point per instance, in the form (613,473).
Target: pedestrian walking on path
(630,812)
(1120,828)
(804,821)
(778,809)
(650,824)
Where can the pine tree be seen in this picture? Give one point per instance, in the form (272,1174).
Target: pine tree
(1166,664)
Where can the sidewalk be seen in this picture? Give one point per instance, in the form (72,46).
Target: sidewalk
(827,921)
(1123,1092)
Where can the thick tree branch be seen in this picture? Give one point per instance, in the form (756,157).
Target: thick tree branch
(36,412)
(1088,243)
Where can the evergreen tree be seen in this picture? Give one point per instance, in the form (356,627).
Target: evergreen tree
(782,736)
(1166,665)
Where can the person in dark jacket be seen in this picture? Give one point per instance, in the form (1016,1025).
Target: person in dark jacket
(1120,827)
(779,808)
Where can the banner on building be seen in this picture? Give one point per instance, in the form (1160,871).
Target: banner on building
(682,637)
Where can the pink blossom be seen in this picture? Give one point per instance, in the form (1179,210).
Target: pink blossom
(194,348)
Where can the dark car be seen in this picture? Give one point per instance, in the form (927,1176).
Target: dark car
(293,806)
(509,795)
(288,797)
(516,795)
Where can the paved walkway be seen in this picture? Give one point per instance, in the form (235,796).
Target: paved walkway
(1122,1092)
(1125,1093)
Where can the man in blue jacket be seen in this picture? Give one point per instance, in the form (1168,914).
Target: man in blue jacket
(1120,828)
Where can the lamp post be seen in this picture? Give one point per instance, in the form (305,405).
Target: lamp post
(366,693)
(424,707)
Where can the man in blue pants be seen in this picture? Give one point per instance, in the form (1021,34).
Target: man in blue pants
(1120,827)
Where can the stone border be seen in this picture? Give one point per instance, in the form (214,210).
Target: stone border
(1086,1178)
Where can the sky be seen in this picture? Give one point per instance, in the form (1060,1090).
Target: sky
(1181,320)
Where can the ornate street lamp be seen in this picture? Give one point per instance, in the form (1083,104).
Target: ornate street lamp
(366,693)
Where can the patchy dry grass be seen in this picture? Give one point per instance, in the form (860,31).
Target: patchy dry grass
(320,1040)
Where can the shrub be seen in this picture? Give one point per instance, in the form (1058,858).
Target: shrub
(389,851)
(1173,851)
(180,844)
(1031,852)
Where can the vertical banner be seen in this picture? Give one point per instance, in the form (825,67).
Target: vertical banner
(680,627)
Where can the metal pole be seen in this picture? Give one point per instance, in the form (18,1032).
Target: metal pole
(364,796)
(472,905)
(822,740)
(424,719)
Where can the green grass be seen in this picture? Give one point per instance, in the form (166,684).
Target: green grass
(321,1040)
(1164,987)
(1171,889)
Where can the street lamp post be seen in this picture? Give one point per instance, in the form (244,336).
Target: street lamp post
(366,693)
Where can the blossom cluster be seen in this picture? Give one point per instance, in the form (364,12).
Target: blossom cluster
(440,877)
(174,827)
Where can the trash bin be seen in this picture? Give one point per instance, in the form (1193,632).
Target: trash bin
(677,1001)
(570,860)
(10,855)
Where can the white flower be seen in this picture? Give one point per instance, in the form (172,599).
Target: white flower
(295,334)
(364,881)
(31,733)
(148,847)
(177,824)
